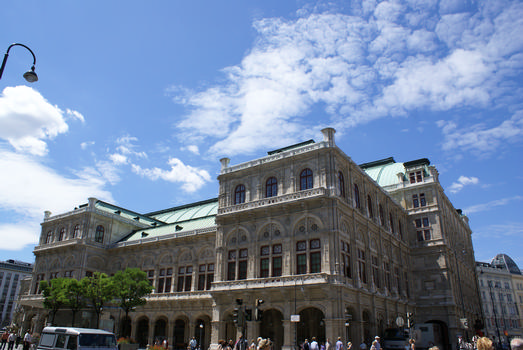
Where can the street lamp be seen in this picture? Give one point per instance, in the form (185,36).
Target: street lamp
(201,331)
(30,75)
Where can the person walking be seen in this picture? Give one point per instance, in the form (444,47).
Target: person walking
(27,340)
(5,336)
(11,341)
(314,344)
(339,344)
(377,345)
(193,343)
(328,345)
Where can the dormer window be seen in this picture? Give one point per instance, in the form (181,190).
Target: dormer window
(239,194)
(415,176)
(306,182)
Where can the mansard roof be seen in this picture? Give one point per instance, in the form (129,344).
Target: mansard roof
(386,172)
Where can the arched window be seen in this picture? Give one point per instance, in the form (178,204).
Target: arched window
(341,184)
(99,236)
(48,237)
(271,187)
(76,231)
(382,216)
(356,196)
(61,236)
(369,207)
(306,179)
(239,194)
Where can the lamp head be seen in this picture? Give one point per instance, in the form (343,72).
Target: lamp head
(30,75)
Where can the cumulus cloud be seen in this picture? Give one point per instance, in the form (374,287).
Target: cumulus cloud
(190,177)
(27,119)
(397,57)
(480,137)
(30,188)
(462,182)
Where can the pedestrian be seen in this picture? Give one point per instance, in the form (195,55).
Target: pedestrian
(11,341)
(27,340)
(193,343)
(314,344)
(165,344)
(328,345)
(339,344)
(485,343)
(373,345)
(5,336)
(377,340)
(412,344)
(516,344)
(363,346)
(253,345)
(306,344)
(349,346)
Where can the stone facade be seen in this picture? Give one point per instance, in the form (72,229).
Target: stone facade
(304,229)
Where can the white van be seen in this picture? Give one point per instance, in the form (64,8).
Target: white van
(71,338)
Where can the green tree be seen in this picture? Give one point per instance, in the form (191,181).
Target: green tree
(131,286)
(54,295)
(75,297)
(98,290)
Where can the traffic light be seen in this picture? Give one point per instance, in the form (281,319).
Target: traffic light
(257,312)
(410,319)
(235,315)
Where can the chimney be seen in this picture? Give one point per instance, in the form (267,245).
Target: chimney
(225,163)
(328,135)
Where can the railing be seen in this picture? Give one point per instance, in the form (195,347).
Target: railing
(277,156)
(287,198)
(165,237)
(273,282)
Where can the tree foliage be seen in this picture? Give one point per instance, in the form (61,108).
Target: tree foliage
(131,286)
(126,289)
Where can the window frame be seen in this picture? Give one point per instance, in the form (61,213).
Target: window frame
(271,187)
(239,194)
(306,179)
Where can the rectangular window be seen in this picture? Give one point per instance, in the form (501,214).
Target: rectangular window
(150,277)
(264,268)
(276,266)
(242,270)
(387,276)
(361,266)
(415,201)
(201,278)
(419,178)
(231,271)
(315,262)
(210,276)
(345,252)
(375,271)
(422,199)
(301,264)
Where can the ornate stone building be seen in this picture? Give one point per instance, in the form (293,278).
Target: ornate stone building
(501,288)
(332,248)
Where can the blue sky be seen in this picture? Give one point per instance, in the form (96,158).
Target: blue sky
(138,100)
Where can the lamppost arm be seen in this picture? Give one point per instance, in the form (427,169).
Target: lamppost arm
(30,76)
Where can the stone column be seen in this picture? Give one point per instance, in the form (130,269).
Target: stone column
(289,337)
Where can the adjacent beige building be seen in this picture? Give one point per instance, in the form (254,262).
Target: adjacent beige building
(332,248)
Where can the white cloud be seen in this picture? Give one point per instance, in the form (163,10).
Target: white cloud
(87,144)
(480,138)
(191,178)
(27,119)
(492,204)
(191,148)
(30,188)
(462,182)
(390,63)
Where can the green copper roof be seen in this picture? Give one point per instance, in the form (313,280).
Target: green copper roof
(130,215)
(384,172)
(187,212)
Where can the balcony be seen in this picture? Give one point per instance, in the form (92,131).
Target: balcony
(267,202)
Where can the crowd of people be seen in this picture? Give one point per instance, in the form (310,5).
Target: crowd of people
(10,341)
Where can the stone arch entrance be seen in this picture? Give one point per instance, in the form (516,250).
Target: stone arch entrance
(179,340)
(160,331)
(272,327)
(142,332)
(441,334)
(311,324)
